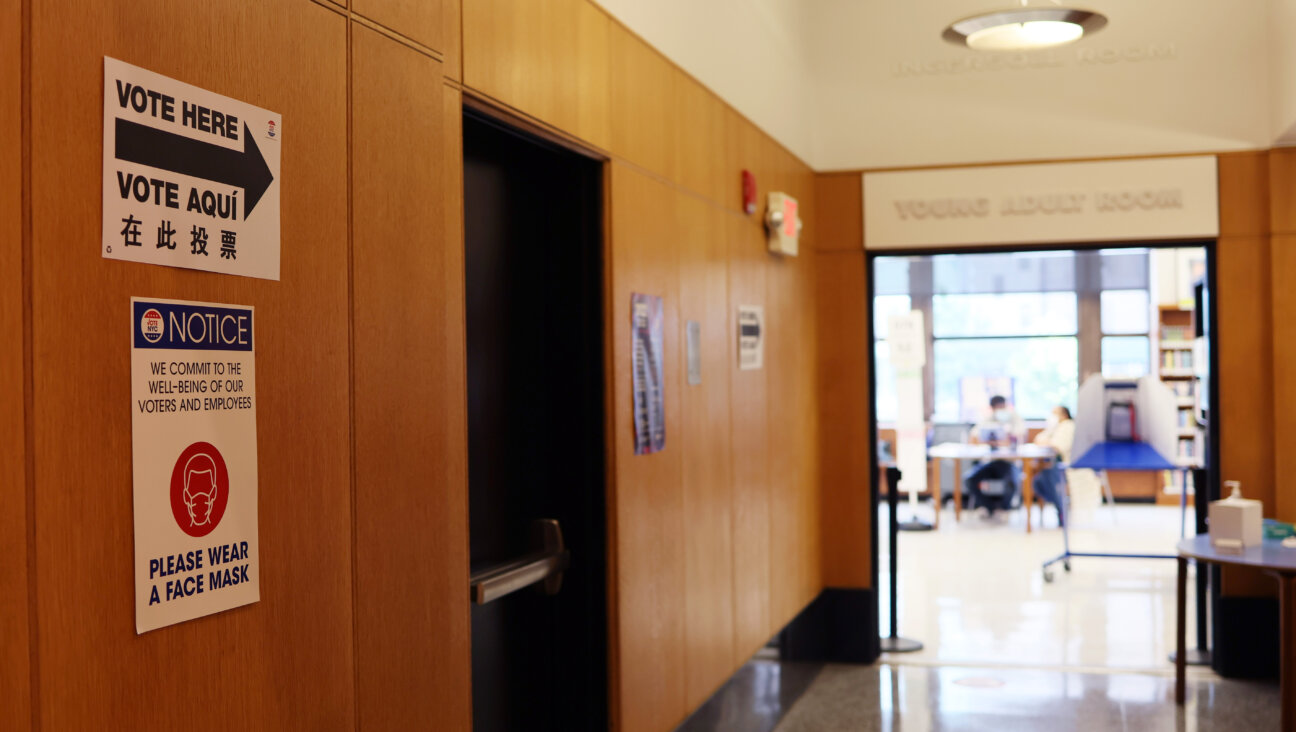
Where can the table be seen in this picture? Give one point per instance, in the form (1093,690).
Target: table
(1105,456)
(1026,454)
(1273,559)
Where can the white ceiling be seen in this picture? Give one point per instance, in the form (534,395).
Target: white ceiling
(848,84)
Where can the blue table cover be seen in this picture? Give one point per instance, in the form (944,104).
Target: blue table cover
(1123,456)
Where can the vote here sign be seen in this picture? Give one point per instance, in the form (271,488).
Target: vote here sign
(190,177)
(194,448)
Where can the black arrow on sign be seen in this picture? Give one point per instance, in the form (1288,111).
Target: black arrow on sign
(246,169)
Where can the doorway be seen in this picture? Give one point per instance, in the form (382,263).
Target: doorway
(533,287)
(1028,328)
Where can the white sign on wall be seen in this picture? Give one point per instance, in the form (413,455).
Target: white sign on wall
(751,337)
(194,451)
(190,177)
(1122,200)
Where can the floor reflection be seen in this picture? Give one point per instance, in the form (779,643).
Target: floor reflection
(894,697)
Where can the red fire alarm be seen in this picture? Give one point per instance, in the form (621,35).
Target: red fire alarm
(749,192)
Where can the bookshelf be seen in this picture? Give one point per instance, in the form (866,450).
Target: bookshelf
(1175,353)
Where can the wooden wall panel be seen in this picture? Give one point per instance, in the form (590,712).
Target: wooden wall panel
(411,450)
(748,444)
(433,23)
(847,482)
(707,471)
(644,100)
(15,687)
(839,212)
(283,662)
(1282,190)
(649,518)
(1246,348)
(1246,365)
(1283,284)
(700,162)
(1243,193)
(547,58)
(788,450)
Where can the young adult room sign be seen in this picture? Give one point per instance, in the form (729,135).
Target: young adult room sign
(190,177)
(194,447)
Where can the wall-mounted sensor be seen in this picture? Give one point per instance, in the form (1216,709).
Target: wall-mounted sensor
(782,224)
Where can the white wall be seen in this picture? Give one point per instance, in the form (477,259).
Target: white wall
(850,84)
(1205,87)
(751,53)
(1282,64)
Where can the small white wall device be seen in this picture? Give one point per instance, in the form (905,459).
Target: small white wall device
(782,224)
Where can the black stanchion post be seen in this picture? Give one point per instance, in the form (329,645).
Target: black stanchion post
(1199,656)
(894,643)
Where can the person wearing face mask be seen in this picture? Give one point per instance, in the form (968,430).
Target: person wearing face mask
(1003,428)
(1059,435)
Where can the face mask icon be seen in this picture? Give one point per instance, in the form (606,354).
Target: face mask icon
(200,488)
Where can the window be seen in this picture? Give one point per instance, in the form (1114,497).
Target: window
(1007,314)
(884,306)
(1044,373)
(1126,317)
(1125,312)
(1126,357)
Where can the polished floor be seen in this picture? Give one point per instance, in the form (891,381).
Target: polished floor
(973,593)
(1004,650)
(918,699)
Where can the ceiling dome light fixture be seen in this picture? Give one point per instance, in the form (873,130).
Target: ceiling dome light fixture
(1023,29)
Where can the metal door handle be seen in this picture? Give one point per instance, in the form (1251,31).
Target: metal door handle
(545,565)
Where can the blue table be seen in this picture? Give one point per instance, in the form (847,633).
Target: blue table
(1123,456)
(1105,456)
(1272,558)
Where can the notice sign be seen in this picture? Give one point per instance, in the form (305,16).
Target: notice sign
(751,337)
(190,177)
(194,447)
(646,374)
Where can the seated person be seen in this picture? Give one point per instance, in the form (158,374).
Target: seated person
(1059,435)
(1003,428)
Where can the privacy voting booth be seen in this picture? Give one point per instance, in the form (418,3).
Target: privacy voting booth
(1125,425)
(1122,424)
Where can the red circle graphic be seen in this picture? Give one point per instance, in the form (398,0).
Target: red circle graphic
(199,489)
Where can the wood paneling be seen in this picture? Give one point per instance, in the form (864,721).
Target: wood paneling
(15,688)
(433,23)
(283,662)
(700,162)
(649,501)
(847,482)
(707,471)
(791,447)
(547,58)
(1243,193)
(411,450)
(1246,398)
(1282,191)
(748,444)
(839,217)
(644,118)
(1283,285)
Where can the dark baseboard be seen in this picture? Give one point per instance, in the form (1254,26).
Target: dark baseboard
(1246,638)
(839,626)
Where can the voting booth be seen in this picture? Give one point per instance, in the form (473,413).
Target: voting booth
(1124,424)
(1121,424)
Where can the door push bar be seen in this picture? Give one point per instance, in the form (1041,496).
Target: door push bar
(545,565)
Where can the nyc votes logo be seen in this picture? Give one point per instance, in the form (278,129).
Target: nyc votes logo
(151,325)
